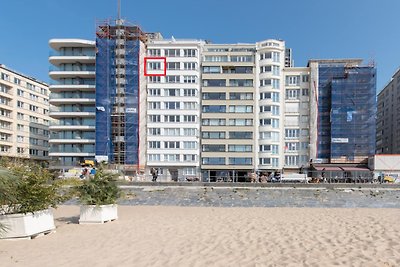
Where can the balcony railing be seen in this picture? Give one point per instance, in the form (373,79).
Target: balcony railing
(72,54)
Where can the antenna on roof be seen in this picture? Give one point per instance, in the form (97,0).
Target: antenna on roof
(119,9)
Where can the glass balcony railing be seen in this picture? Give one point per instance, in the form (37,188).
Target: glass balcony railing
(73,68)
(71,150)
(75,81)
(73,109)
(72,54)
(72,95)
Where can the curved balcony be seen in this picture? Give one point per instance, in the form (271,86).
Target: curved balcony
(62,114)
(72,141)
(71,154)
(72,127)
(56,101)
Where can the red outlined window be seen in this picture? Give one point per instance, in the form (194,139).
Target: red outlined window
(155,66)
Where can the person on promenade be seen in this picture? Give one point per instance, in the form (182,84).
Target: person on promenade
(154,174)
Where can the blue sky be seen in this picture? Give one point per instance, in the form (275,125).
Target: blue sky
(367,29)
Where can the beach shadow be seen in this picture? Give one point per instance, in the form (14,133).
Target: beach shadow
(69,220)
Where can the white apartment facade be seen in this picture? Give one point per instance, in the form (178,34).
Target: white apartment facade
(296,118)
(173,108)
(73,102)
(24,116)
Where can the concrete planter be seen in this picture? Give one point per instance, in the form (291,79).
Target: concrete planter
(98,214)
(27,225)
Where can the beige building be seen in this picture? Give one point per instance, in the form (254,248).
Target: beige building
(24,116)
(228,108)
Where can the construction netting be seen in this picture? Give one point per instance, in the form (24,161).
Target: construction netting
(346,108)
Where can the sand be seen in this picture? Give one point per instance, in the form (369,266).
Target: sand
(199,236)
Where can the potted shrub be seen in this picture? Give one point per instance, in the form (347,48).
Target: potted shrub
(26,194)
(98,196)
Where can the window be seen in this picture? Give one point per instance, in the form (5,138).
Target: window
(212,69)
(304,132)
(292,133)
(305,78)
(190,145)
(267,95)
(304,145)
(154,105)
(172,52)
(240,148)
(20,104)
(171,157)
(273,122)
(273,109)
(214,108)
(291,146)
(241,109)
(172,118)
(292,94)
(214,96)
(189,118)
(241,82)
(213,135)
(172,105)
(189,131)
(276,56)
(265,82)
(291,160)
(240,135)
(189,92)
(154,65)
(276,70)
(292,80)
(242,58)
(240,161)
(153,157)
(241,96)
(171,92)
(265,69)
(190,65)
(240,122)
(154,131)
(173,65)
(214,82)
(33,97)
(189,105)
(189,158)
(172,79)
(30,86)
(5,113)
(213,148)
(20,139)
(20,150)
(213,161)
(17,81)
(304,92)
(215,59)
(189,79)
(275,83)
(189,52)
(154,52)
(265,161)
(154,79)
(275,162)
(20,127)
(20,92)
(171,145)
(213,122)
(5,76)
(154,92)
(172,132)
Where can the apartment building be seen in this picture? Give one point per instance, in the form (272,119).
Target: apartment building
(296,118)
(173,108)
(72,97)
(388,117)
(228,112)
(24,116)
(270,62)
(342,111)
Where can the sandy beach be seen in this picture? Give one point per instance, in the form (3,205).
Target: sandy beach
(209,236)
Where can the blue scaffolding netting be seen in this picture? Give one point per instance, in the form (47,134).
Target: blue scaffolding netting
(346,110)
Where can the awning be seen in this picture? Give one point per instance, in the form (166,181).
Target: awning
(359,169)
(328,168)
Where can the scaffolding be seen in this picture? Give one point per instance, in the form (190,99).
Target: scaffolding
(346,112)
(117,92)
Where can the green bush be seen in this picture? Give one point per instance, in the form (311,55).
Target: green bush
(101,189)
(29,188)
